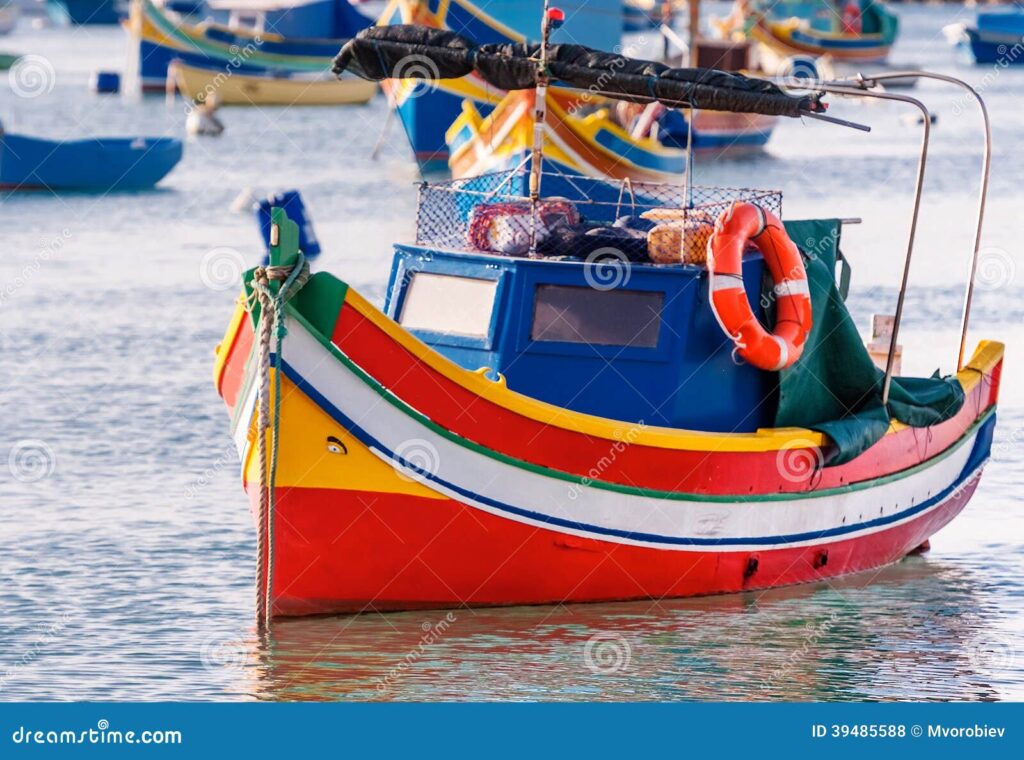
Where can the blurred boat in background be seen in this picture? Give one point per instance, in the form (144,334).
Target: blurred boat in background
(7,60)
(159,37)
(591,135)
(8,16)
(858,32)
(89,12)
(639,16)
(316,19)
(427,110)
(96,164)
(593,141)
(271,89)
(998,37)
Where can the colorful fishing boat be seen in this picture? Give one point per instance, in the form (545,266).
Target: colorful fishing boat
(95,165)
(158,38)
(588,135)
(593,143)
(198,84)
(852,32)
(427,110)
(997,37)
(541,414)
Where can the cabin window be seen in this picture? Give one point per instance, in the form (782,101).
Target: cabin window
(603,317)
(447,304)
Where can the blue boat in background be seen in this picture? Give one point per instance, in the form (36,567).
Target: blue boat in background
(427,112)
(997,38)
(159,37)
(97,164)
(323,19)
(89,12)
(640,16)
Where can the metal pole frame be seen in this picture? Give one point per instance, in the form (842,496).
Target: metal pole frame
(853,88)
(983,191)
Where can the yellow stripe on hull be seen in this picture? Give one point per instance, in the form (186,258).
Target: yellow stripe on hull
(241,89)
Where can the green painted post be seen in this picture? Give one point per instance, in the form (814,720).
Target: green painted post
(284,242)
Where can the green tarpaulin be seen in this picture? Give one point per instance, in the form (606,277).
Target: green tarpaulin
(835,387)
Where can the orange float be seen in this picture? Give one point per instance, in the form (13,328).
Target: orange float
(742,224)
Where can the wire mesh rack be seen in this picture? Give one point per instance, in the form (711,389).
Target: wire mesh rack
(577,217)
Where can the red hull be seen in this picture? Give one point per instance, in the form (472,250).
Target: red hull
(349,552)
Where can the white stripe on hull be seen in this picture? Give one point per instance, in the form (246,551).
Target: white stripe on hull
(460,470)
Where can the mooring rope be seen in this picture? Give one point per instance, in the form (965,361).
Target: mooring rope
(271,316)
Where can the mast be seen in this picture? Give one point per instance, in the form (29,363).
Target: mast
(694,7)
(552,19)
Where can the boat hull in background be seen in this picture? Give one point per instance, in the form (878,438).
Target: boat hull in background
(198,84)
(97,165)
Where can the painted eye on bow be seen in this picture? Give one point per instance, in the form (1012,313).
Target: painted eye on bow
(335,446)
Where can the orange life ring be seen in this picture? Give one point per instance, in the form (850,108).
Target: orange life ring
(741,224)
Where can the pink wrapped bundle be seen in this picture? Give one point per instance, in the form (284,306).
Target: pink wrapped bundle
(505,227)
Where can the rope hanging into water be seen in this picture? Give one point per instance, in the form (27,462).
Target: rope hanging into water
(272,332)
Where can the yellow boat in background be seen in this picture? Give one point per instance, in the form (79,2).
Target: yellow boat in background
(232,88)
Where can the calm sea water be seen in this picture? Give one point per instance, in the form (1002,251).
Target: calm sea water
(126,547)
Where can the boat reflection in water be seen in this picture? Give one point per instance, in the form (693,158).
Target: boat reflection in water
(919,630)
